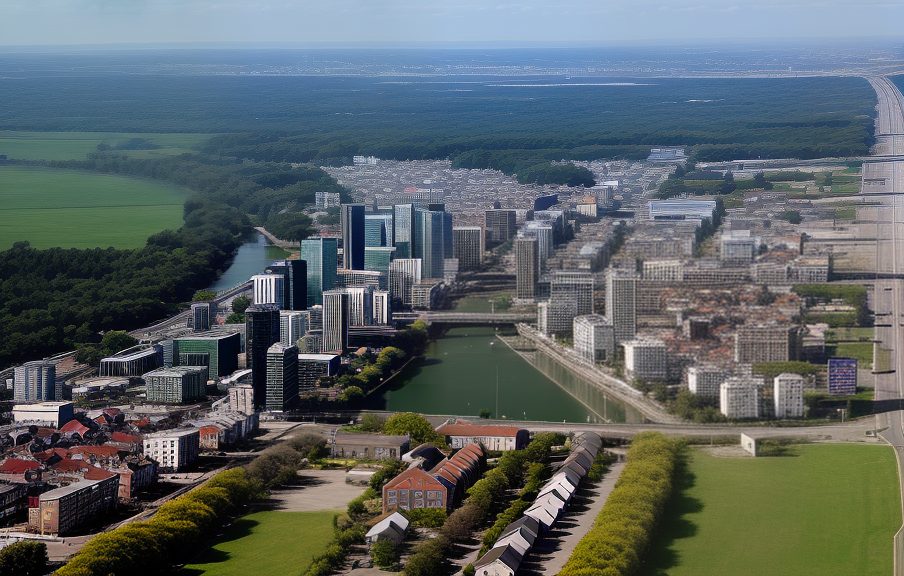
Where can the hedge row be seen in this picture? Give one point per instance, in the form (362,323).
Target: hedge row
(623,529)
(171,536)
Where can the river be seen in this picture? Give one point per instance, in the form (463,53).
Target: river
(469,370)
(252,257)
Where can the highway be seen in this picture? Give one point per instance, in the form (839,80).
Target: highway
(887,177)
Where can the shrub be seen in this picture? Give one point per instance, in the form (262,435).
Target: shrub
(429,558)
(427,517)
(24,558)
(385,553)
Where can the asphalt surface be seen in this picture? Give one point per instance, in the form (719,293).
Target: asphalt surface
(887,177)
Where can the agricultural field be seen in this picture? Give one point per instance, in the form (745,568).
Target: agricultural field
(19,145)
(68,208)
(820,509)
(271,542)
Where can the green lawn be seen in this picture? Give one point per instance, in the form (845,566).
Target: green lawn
(826,509)
(263,543)
(76,145)
(74,209)
(862,351)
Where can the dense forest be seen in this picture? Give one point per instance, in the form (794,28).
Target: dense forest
(51,300)
(327,120)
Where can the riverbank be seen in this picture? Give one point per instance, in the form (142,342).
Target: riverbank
(605,383)
(278,242)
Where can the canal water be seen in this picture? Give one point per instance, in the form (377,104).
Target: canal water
(250,259)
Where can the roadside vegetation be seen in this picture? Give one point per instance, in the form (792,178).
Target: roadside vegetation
(628,521)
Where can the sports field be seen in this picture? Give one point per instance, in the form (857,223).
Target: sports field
(69,208)
(282,543)
(20,145)
(823,509)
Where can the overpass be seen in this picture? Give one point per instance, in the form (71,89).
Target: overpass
(469,318)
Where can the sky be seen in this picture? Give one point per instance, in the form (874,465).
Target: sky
(399,22)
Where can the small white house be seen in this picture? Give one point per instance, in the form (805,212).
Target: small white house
(393,528)
(543,513)
(521,539)
(563,490)
(501,561)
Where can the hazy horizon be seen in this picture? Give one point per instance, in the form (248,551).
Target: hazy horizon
(413,23)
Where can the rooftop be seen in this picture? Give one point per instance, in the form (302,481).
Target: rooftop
(58,493)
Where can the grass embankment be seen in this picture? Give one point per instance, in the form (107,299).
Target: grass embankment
(23,145)
(72,209)
(826,509)
(272,542)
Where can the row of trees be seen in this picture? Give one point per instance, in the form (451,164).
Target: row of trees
(172,535)
(623,530)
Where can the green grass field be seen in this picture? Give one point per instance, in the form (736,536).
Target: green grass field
(76,145)
(826,509)
(262,543)
(69,208)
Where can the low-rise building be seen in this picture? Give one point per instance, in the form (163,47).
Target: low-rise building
(460,433)
(52,414)
(63,510)
(173,450)
(369,446)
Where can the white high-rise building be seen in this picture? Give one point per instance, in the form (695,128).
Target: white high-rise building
(403,274)
(788,395)
(706,381)
(269,289)
(594,338)
(621,303)
(645,359)
(292,326)
(335,321)
(35,382)
(739,397)
(360,305)
(381,308)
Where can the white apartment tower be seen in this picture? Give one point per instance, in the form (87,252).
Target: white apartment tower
(645,359)
(706,381)
(788,395)
(594,338)
(739,397)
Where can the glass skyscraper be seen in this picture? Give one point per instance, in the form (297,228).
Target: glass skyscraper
(403,230)
(377,231)
(322,257)
(353,236)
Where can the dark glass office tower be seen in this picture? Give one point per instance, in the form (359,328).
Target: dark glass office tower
(261,332)
(353,236)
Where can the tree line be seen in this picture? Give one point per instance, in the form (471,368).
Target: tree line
(52,300)
(624,529)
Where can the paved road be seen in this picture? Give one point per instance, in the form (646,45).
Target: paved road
(887,177)
(553,550)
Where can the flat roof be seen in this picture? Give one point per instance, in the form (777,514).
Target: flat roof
(58,493)
(41,406)
(218,335)
(125,355)
(174,371)
(317,357)
(174,433)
